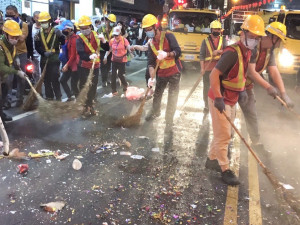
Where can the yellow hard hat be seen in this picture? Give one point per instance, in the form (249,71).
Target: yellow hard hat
(215,25)
(84,21)
(112,18)
(76,25)
(44,17)
(12,28)
(255,25)
(278,29)
(149,20)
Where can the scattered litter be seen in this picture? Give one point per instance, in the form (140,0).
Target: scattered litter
(110,95)
(41,153)
(53,206)
(61,157)
(155,149)
(127,143)
(95,187)
(48,161)
(12,212)
(125,153)
(137,157)
(194,206)
(78,157)
(287,186)
(122,96)
(76,164)
(143,137)
(22,168)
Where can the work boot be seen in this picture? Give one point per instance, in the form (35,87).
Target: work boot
(213,165)
(5,117)
(6,105)
(230,178)
(152,115)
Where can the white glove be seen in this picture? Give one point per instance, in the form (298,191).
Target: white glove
(21,74)
(93,56)
(161,54)
(151,82)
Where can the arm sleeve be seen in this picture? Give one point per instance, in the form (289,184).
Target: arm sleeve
(126,42)
(174,45)
(227,61)
(253,55)
(202,51)
(72,51)
(5,70)
(105,46)
(272,61)
(80,50)
(151,57)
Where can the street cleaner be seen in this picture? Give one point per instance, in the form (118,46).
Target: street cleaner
(47,43)
(88,46)
(8,41)
(210,52)
(227,81)
(263,57)
(163,49)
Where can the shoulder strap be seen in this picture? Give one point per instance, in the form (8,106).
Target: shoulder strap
(10,58)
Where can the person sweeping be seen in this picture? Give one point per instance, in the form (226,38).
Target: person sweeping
(88,45)
(210,52)
(227,81)
(163,47)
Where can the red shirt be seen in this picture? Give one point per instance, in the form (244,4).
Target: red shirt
(72,52)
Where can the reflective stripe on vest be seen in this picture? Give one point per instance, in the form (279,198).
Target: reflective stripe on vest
(239,83)
(10,58)
(46,41)
(88,44)
(165,63)
(220,45)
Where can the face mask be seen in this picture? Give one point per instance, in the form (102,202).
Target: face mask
(45,25)
(98,26)
(150,34)
(65,32)
(216,34)
(251,43)
(111,24)
(13,41)
(86,32)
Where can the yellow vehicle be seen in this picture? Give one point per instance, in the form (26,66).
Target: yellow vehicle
(191,27)
(288,57)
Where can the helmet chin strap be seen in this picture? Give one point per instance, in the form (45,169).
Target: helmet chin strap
(245,37)
(274,43)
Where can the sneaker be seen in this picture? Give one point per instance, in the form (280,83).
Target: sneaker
(93,112)
(115,93)
(151,116)
(230,178)
(212,165)
(70,99)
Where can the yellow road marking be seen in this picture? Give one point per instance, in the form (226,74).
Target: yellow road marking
(254,195)
(230,216)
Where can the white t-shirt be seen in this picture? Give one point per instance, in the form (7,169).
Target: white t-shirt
(35,30)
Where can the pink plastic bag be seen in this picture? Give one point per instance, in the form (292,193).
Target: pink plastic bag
(134,93)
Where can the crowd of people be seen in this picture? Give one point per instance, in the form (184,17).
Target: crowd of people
(228,71)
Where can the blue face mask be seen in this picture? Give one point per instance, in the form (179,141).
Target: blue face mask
(150,34)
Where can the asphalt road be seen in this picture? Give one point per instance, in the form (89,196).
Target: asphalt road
(161,178)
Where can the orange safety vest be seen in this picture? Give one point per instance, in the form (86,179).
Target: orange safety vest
(167,62)
(265,63)
(90,47)
(208,44)
(10,57)
(236,83)
(46,41)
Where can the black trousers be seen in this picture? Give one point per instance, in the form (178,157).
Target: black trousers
(74,83)
(105,68)
(51,81)
(118,69)
(83,74)
(173,92)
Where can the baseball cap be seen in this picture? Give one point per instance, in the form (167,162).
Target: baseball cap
(66,24)
(116,31)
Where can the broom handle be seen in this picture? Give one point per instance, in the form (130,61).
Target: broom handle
(286,106)
(245,142)
(193,88)
(148,89)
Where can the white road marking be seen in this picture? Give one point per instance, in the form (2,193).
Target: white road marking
(23,115)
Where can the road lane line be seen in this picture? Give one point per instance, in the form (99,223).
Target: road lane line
(23,115)
(254,195)
(230,216)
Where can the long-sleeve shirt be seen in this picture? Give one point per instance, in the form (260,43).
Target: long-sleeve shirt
(72,52)
(21,45)
(5,69)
